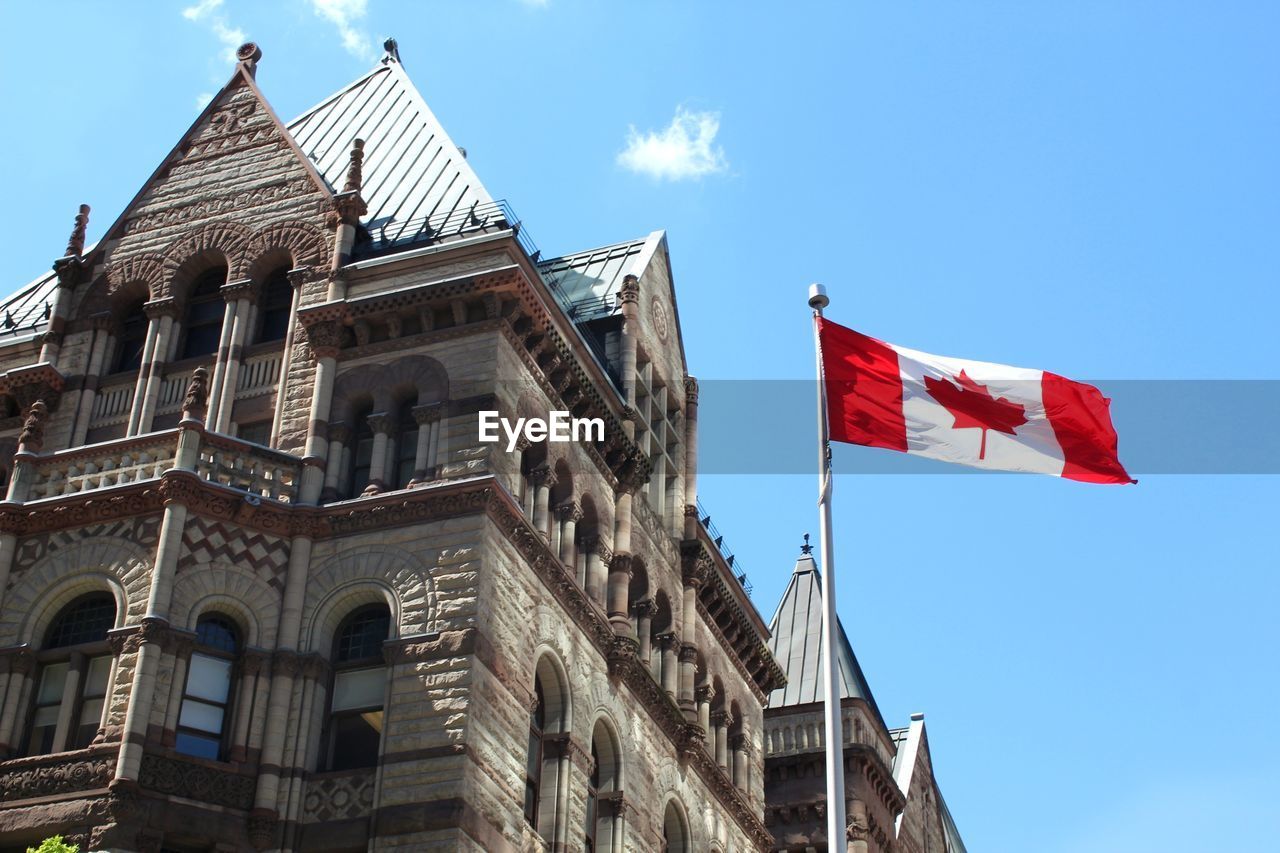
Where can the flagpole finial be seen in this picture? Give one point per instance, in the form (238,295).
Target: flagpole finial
(806,548)
(818,297)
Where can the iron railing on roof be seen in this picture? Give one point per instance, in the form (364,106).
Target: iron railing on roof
(452,224)
(591,307)
(718,538)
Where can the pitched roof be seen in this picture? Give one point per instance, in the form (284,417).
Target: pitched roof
(797,644)
(26,312)
(587,283)
(413,175)
(907,742)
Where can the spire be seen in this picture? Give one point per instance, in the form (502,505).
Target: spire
(75,244)
(355,174)
(392,52)
(249,54)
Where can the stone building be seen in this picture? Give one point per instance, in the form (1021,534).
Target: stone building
(893,803)
(261,585)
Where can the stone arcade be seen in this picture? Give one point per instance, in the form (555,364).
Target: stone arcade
(261,586)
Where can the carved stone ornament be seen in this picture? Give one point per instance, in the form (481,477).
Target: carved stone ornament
(324,337)
(630,290)
(196,403)
(32,436)
(691,390)
(75,244)
(355,175)
(262,828)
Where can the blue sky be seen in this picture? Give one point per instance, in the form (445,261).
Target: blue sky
(1091,188)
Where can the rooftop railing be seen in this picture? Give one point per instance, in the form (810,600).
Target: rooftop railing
(451,225)
(718,538)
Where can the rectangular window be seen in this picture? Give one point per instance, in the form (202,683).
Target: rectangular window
(53,680)
(93,693)
(202,719)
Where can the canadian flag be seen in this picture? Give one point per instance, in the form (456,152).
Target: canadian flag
(971,412)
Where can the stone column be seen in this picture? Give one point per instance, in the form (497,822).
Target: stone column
(380,423)
(250,665)
(668,642)
(349,206)
(97,360)
(720,722)
(297,277)
(644,625)
(598,558)
(738,748)
(688,668)
(241,296)
(339,438)
(569,513)
(543,479)
(182,647)
(619,591)
(324,337)
(160,314)
(690,458)
(424,463)
(220,362)
(629,296)
(703,695)
(22,664)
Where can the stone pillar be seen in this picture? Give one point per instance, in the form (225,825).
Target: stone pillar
(598,559)
(690,458)
(220,363)
(161,314)
(181,647)
(97,361)
(858,827)
(250,665)
(21,664)
(339,438)
(644,625)
(543,479)
(569,513)
(619,591)
(738,748)
(720,721)
(349,207)
(239,295)
(324,337)
(381,424)
(668,642)
(424,462)
(297,277)
(629,295)
(703,695)
(688,669)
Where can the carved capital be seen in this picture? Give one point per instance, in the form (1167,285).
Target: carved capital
(349,207)
(569,511)
(542,476)
(196,403)
(165,306)
(255,661)
(645,608)
(240,289)
(324,337)
(285,662)
(340,432)
(380,422)
(620,563)
(690,390)
(262,828)
(688,653)
(428,414)
(704,693)
(299,276)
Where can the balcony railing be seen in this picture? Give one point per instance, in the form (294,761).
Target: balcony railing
(240,465)
(718,538)
(449,225)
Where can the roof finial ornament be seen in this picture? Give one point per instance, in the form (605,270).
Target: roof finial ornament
(355,175)
(75,244)
(249,54)
(393,51)
(806,548)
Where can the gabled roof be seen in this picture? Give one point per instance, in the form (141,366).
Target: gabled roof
(413,172)
(797,644)
(908,742)
(587,283)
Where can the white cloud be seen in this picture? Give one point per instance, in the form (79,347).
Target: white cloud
(684,149)
(209,13)
(344,14)
(203,99)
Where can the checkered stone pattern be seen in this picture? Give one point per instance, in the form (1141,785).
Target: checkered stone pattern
(31,550)
(208,541)
(338,797)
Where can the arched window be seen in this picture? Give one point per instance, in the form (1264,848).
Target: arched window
(72,680)
(533,762)
(406,445)
(276,306)
(131,338)
(206,699)
(359,689)
(604,779)
(547,759)
(205,309)
(675,832)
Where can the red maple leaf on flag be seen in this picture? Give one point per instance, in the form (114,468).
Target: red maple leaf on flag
(974,407)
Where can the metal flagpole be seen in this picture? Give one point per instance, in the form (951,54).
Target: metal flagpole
(834,730)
